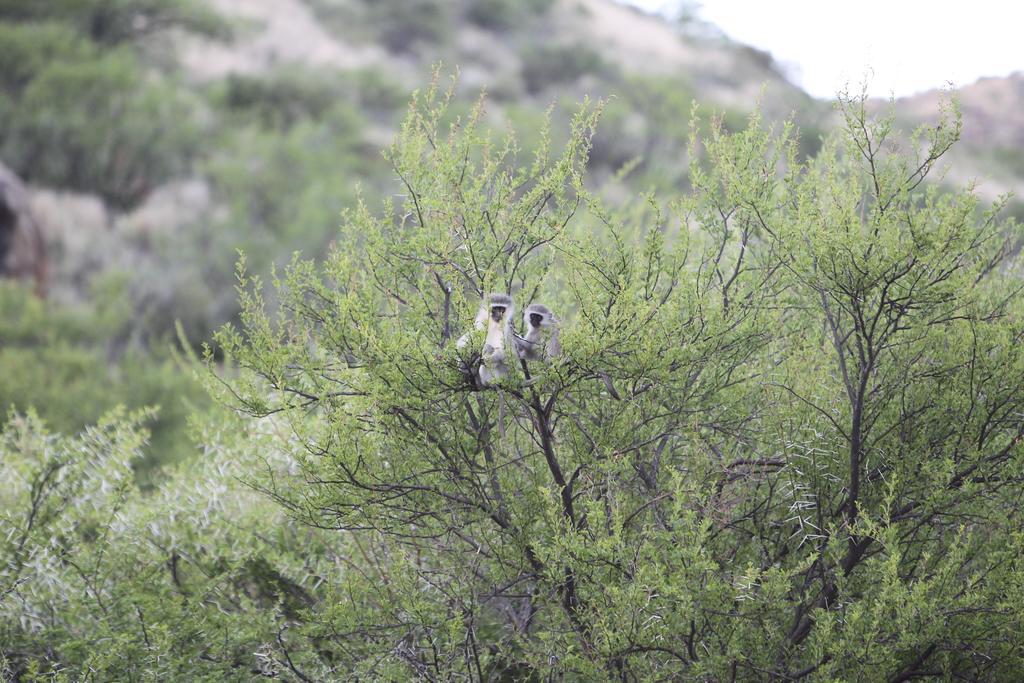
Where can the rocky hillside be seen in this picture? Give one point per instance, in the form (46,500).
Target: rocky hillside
(494,44)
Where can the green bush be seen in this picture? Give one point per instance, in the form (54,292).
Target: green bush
(100,126)
(379,93)
(278,191)
(58,362)
(286,191)
(80,111)
(286,97)
(200,579)
(784,438)
(405,25)
(113,22)
(26,50)
(552,65)
(643,123)
(505,14)
(1011,159)
(281,100)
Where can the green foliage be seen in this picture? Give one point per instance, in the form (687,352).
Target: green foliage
(80,112)
(112,22)
(1010,159)
(286,191)
(416,27)
(290,152)
(57,362)
(279,101)
(198,580)
(405,25)
(289,96)
(553,65)
(26,50)
(504,14)
(783,440)
(642,123)
(58,131)
(378,93)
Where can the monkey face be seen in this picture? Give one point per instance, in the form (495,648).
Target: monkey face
(536,319)
(497,313)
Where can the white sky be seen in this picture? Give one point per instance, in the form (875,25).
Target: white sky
(902,46)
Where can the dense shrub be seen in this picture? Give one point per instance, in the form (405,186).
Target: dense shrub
(26,50)
(785,436)
(552,65)
(406,25)
(286,191)
(200,579)
(63,364)
(81,111)
(280,100)
(505,14)
(285,97)
(1010,159)
(99,126)
(379,93)
(112,22)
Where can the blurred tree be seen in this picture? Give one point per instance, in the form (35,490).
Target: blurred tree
(555,65)
(60,362)
(504,14)
(404,25)
(81,111)
(99,126)
(113,22)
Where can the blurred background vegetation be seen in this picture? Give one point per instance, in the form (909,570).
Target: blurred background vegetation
(157,138)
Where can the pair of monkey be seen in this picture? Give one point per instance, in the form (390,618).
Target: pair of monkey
(539,343)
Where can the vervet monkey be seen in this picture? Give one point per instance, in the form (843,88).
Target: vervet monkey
(496,315)
(541,340)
